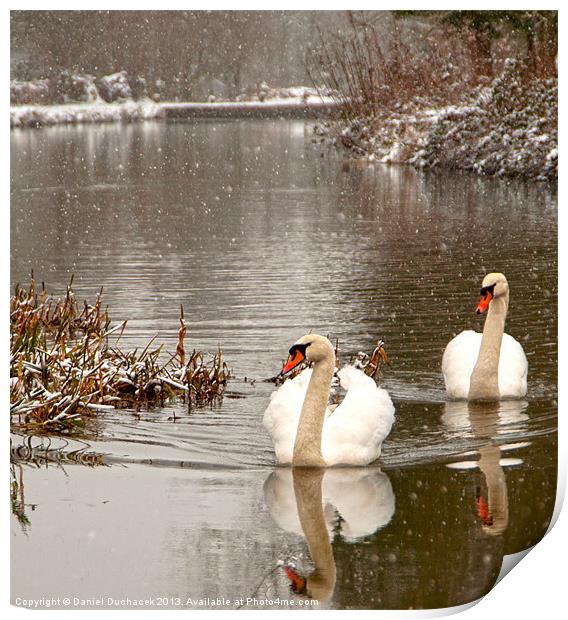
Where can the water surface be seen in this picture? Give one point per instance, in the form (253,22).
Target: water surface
(262,237)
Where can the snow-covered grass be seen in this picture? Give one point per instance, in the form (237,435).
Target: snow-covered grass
(507,128)
(266,93)
(244,104)
(42,115)
(45,115)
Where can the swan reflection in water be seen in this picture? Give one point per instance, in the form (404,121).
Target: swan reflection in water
(320,503)
(485,421)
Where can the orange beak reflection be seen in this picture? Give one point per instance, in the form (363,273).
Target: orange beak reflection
(484,303)
(292,362)
(483,511)
(297,582)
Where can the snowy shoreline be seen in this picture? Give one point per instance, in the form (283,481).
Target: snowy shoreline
(45,115)
(505,129)
(296,107)
(73,113)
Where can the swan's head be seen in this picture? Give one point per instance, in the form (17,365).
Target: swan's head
(310,347)
(493,285)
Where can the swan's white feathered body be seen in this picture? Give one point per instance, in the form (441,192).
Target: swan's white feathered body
(352,433)
(460,358)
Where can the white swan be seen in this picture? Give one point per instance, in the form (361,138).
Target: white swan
(306,432)
(488,366)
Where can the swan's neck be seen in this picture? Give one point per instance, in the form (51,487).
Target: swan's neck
(484,382)
(307,447)
(307,488)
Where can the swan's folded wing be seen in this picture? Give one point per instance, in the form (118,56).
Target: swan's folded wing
(458,361)
(283,413)
(354,432)
(460,358)
(513,369)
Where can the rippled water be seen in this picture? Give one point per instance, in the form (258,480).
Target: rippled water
(262,238)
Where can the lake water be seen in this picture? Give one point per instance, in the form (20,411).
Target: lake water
(263,237)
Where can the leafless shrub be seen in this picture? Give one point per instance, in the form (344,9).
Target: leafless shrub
(371,71)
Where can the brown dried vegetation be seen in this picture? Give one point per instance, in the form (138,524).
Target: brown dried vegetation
(63,367)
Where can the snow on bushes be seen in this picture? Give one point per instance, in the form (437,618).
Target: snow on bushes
(511,130)
(115,87)
(66,87)
(506,128)
(28,93)
(73,98)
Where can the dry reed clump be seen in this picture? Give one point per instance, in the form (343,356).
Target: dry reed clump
(63,368)
(372,365)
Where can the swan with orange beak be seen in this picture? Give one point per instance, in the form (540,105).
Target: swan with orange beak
(304,431)
(489,366)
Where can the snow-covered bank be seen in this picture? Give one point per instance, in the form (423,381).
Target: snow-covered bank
(44,115)
(304,107)
(506,128)
(69,98)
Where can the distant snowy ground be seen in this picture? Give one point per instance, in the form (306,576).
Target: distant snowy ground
(267,103)
(42,115)
(100,112)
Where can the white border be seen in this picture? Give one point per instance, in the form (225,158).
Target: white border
(533,588)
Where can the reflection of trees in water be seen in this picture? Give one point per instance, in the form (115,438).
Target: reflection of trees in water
(176,202)
(151,211)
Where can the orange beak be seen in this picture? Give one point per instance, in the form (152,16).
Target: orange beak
(484,303)
(292,362)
